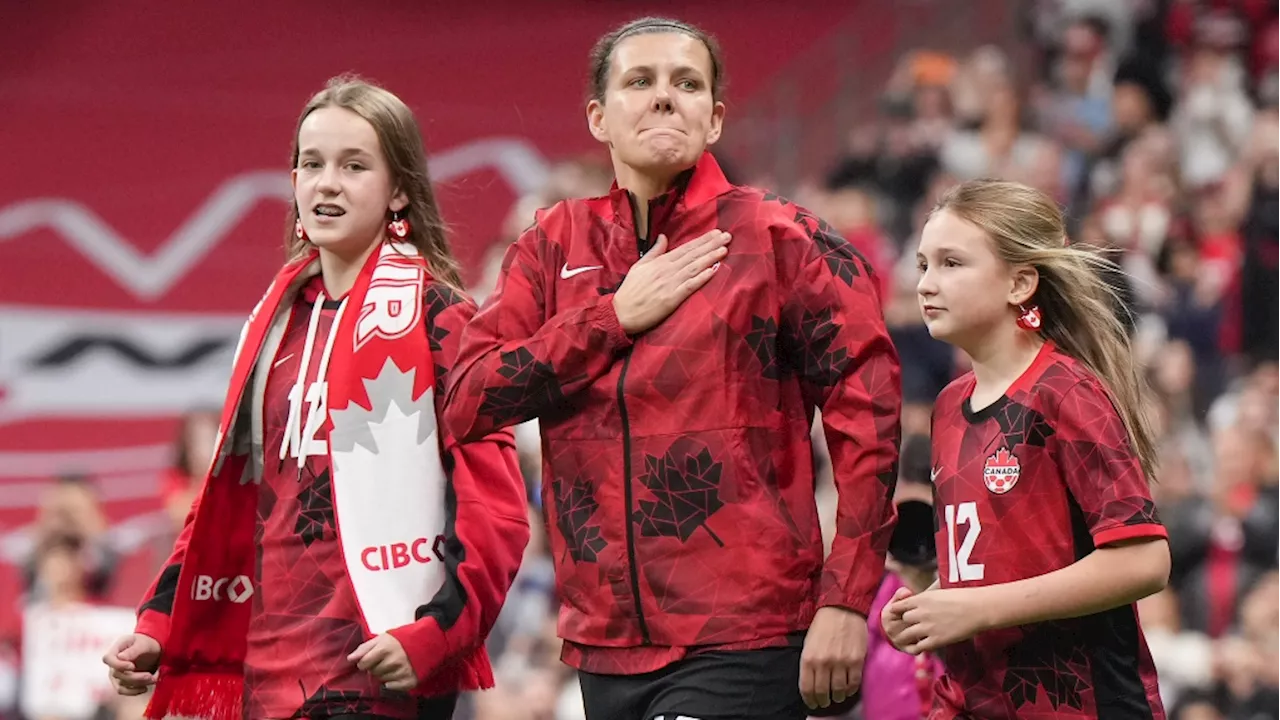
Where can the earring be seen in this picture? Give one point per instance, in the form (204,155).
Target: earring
(300,231)
(1029,318)
(398,228)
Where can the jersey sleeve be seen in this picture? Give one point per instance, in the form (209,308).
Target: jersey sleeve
(1101,469)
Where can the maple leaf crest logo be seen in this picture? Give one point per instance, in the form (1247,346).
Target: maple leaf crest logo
(1000,473)
(382,426)
(575,505)
(686,492)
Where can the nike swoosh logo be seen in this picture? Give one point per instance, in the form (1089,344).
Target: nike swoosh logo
(933,474)
(566,273)
(283,360)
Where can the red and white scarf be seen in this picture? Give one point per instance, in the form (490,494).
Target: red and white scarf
(376,386)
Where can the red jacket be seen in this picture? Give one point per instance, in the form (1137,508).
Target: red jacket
(678,470)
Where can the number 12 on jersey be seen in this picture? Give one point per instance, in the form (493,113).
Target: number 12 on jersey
(966,514)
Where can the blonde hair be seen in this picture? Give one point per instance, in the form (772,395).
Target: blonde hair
(403,149)
(1080,311)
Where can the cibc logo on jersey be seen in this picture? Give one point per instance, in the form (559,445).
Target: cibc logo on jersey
(1001,471)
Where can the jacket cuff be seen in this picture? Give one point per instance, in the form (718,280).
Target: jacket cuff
(607,317)
(154,624)
(425,644)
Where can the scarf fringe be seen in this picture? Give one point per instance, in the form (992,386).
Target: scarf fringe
(205,695)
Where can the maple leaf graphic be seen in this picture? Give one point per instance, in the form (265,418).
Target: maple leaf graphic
(574,508)
(315,509)
(810,352)
(532,385)
(1038,664)
(843,259)
(763,341)
(688,494)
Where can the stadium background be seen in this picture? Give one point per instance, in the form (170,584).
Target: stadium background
(141,216)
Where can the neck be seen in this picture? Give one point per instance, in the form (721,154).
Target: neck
(645,187)
(340,269)
(1001,358)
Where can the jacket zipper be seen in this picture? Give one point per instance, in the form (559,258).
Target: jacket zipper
(642,244)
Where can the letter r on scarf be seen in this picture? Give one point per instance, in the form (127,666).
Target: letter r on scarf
(393,305)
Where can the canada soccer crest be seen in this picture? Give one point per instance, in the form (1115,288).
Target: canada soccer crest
(1001,471)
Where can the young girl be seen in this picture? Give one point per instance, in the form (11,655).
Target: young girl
(1041,457)
(342,550)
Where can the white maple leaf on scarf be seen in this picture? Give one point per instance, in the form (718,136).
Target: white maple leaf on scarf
(391,404)
(389,495)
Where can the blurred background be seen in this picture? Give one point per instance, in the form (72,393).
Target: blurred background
(142,215)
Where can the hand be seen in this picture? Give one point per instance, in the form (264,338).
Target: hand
(937,618)
(831,663)
(891,621)
(384,658)
(661,280)
(133,660)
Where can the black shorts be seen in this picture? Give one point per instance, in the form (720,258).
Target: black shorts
(743,685)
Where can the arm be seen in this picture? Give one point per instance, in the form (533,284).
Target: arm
(835,340)
(1105,479)
(1112,576)
(514,363)
(489,523)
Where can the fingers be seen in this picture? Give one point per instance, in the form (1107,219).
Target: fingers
(131,683)
(822,686)
(362,650)
(372,657)
(122,654)
(808,683)
(702,261)
(401,678)
(656,250)
(706,243)
(690,286)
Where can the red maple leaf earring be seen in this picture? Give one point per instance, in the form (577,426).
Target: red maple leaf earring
(1029,318)
(398,228)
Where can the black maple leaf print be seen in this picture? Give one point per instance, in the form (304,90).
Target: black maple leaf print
(688,494)
(1145,515)
(844,260)
(435,337)
(810,352)
(1039,664)
(575,505)
(1023,426)
(533,385)
(315,510)
(440,297)
(334,702)
(763,341)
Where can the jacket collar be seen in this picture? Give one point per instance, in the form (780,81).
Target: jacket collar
(699,184)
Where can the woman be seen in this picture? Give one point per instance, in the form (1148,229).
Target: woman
(1047,534)
(674,374)
(381,550)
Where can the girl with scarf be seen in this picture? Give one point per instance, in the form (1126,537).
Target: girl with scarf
(346,557)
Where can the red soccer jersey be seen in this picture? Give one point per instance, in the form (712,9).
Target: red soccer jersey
(305,618)
(1029,485)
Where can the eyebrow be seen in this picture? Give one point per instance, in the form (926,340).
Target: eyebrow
(346,152)
(678,70)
